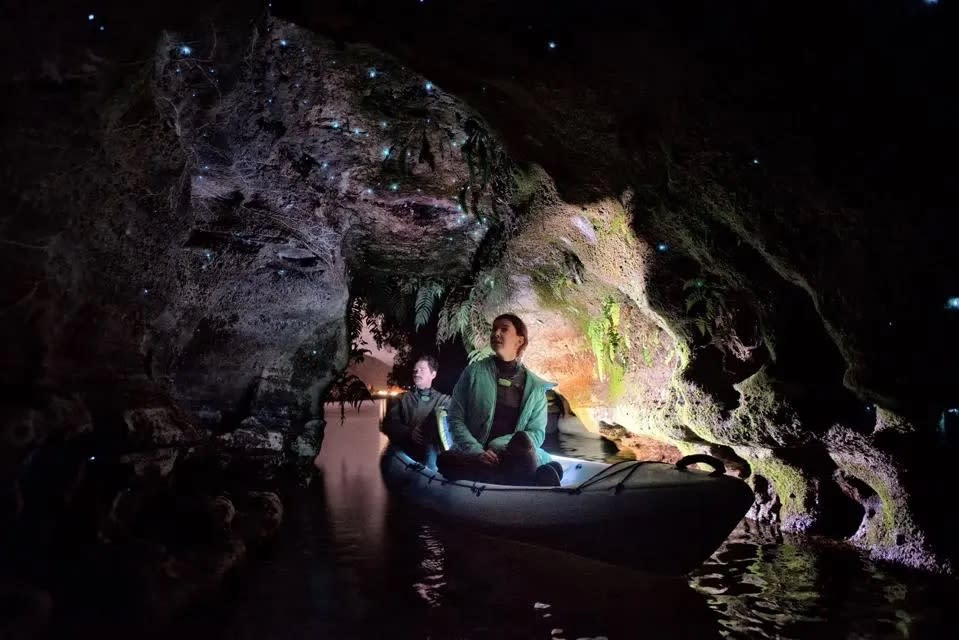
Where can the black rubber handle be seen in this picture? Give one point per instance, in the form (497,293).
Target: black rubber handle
(718,467)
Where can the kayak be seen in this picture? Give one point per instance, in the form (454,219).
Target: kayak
(652,516)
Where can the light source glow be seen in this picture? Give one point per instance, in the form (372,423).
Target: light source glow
(952,304)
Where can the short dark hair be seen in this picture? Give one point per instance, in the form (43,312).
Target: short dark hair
(433,364)
(520,327)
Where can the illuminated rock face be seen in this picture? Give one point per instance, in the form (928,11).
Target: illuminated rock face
(188,254)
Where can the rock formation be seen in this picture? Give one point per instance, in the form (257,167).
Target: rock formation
(198,207)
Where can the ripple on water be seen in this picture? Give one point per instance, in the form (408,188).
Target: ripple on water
(350,563)
(765,586)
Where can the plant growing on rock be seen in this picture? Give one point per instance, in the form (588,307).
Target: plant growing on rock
(468,309)
(705,301)
(609,346)
(428,292)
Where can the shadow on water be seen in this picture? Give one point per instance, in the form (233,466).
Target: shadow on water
(352,563)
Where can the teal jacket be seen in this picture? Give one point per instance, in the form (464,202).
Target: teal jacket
(474,402)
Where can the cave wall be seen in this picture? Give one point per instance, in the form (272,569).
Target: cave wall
(183,228)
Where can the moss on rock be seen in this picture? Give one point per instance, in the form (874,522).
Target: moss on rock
(789,483)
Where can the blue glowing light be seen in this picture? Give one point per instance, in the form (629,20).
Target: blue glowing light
(551,44)
(386,152)
(92,458)
(146,292)
(371,73)
(383,124)
(91,17)
(394,187)
(662,246)
(931,1)
(429,87)
(185,50)
(335,125)
(281,272)
(367,190)
(283,43)
(325,165)
(356,131)
(755,161)
(952,304)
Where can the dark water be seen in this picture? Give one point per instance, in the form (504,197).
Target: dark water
(350,563)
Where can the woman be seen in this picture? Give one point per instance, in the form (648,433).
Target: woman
(497,416)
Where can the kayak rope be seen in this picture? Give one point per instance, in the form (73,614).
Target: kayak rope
(628,466)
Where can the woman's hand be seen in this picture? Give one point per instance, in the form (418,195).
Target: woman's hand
(489,458)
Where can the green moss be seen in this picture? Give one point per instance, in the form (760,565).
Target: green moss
(619,224)
(609,345)
(789,483)
(552,287)
(617,381)
(879,534)
(650,346)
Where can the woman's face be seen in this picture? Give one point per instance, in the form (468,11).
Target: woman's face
(504,340)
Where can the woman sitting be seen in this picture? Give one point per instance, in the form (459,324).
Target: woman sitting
(497,417)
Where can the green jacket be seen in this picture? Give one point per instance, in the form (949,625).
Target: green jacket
(474,401)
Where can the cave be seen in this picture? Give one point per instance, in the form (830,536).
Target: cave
(727,237)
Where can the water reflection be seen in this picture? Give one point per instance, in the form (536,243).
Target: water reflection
(353,563)
(763,586)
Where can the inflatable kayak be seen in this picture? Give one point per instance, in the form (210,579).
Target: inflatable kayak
(653,516)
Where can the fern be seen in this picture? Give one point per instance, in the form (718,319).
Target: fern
(426,297)
(478,354)
(708,299)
